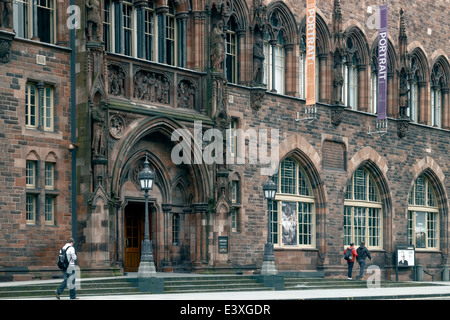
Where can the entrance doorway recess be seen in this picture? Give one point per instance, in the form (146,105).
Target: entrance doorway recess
(134,230)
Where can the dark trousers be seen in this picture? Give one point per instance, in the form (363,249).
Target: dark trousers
(64,284)
(362,265)
(350,268)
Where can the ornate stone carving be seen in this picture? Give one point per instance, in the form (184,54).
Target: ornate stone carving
(117,126)
(152,87)
(94,20)
(336,114)
(258,59)
(256,98)
(98,125)
(217,46)
(6,14)
(5,45)
(116,81)
(186,94)
(402,127)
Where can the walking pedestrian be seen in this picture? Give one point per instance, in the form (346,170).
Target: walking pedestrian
(362,254)
(351,261)
(70,271)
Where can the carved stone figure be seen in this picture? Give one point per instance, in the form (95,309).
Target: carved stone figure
(98,124)
(151,87)
(116,126)
(116,79)
(258,61)
(403,93)
(6,14)
(94,20)
(338,81)
(217,47)
(186,94)
(5,51)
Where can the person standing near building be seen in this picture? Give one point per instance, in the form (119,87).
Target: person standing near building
(362,253)
(70,271)
(350,262)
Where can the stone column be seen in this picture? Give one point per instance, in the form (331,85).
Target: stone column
(140,27)
(166,263)
(200,233)
(424,106)
(162,47)
(182,39)
(324,93)
(445,109)
(362,89)
(272,48)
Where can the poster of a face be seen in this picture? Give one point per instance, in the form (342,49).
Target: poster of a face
(289,223)
(405,258)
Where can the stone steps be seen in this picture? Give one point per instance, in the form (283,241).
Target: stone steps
(184,284)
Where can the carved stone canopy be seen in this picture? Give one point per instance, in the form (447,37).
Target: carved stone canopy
(6,38)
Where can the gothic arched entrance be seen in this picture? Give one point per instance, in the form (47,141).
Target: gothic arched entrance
(177,205)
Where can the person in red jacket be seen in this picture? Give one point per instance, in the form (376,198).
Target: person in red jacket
(352,261)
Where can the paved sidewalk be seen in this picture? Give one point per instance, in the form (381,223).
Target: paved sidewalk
(432,291)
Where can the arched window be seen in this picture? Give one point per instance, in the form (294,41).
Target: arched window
(350,86)
(293,212)
(413,111)
(171,35)
(437,95)
(231,51)
(363,211)
(373,87)
(35,19)
(149,33)
(423,216)
(274,63)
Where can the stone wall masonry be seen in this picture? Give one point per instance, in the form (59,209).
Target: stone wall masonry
(21,245)
(395,163)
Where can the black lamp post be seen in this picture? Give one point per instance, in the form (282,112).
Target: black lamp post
(147,265)
(269,267)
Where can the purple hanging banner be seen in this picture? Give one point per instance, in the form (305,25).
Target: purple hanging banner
(382,61)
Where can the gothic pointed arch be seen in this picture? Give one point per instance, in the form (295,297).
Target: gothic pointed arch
(392,56)
(146,127)
(419,64)
(356,45)
(428,201)
(282,20)
(370,161)
(323,35)
(298,148)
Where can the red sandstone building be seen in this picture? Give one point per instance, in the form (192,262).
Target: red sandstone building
(143,70)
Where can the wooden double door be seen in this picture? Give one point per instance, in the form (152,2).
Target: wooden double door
(134,230)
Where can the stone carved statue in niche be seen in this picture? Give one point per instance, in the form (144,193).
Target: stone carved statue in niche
(217,46)
(98,125)
(116,81)
(6,14)
(186,95)
(338,79)
(258,59)
(151,87)
(94,20)
(403,93)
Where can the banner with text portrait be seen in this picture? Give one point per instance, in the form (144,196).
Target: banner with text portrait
(311,52)
(382,61)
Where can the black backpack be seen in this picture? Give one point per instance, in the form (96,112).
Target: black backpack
(63,261)
(348,254)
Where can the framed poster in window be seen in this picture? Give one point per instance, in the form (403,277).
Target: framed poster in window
(405,257)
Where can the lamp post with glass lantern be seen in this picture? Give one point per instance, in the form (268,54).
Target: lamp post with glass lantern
(147,265)
(269,267)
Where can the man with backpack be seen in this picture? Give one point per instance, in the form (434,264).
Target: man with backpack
(363,253)
(66,262)
(350,255)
